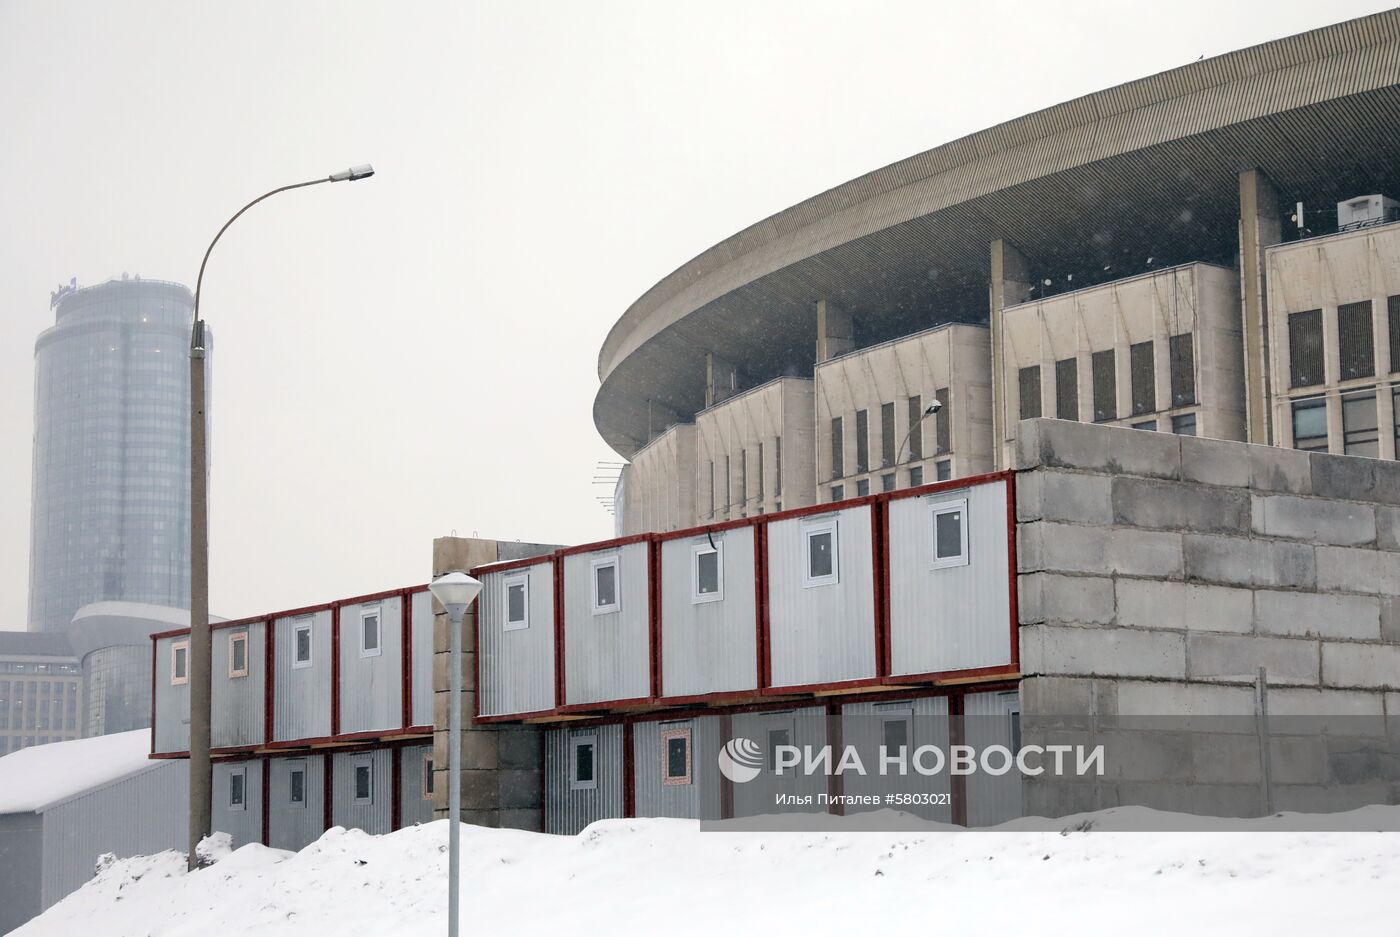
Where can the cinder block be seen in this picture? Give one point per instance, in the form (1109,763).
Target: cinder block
(1342,523)
(1237,561)
(1067,696)
(1214,462)
(1027,453)
(1139,502)
(530,820)
(1330,798)
(518,747)
(1135,755)
(1361,665)
(1336,476)
(1150,603)
(479,750)
(1387,527)
(1099,550)
(1239,657)
(1349,569)
(1063,496)
(1390,619)
(480,790)
(1053,597)
(1119,652)
(1105,449)
(1297,760)
(1225,759)
(442,675)
(1272,468)
(1307,614)
(1287,705)
(1183,699)
(1211,800)
(520,790)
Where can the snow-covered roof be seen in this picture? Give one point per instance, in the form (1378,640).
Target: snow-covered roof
(36,778)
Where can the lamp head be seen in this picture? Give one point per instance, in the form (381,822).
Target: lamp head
(353,174)
(934,406)
(455,591)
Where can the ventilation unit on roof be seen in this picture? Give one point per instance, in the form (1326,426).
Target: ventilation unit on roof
(1366,211)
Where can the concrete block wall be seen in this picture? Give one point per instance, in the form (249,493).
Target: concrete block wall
(501,764)
(1158,573)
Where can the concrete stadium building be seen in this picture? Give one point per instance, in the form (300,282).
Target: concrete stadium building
(1134,257)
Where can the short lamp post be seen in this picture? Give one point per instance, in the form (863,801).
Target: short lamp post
(454,592)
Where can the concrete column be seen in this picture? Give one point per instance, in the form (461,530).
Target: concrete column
(1010,285)
(721,379)
(836,334)
(1261,225)
(500,764)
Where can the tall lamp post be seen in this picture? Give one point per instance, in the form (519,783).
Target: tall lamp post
(934,406)
(201,771)
(454,591)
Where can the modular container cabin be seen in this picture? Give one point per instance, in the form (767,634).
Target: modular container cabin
(608,612)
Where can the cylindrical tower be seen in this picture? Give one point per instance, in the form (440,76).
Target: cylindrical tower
(110,506)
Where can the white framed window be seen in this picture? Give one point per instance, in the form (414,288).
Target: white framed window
(778,737)
(238,788)
(296,784)
(179,663)
(238,654)
(371,632)
(583,762)
(823,566)
(675,755)
(301,645)
(707,572)
(516,599)
(362,783)
(427,786)
(605,585)
(949,533)
(896,727)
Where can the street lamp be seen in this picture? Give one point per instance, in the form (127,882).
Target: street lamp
(201,771)
(934,406)
(454,592)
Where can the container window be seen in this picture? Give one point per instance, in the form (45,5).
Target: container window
(584,763)
(1305,348)
(1360,429)
(179,663)
(301,646)
(1029,382)
(949,533)
(296,785)
(1181,351)
(1105,376)
(1310,425)
(427,786)
(517,602)
(1356,341)
(238,788)
(238,654)
(894,733)
(1067,389)
(1142,368)
(675,754)
(707,579)
(363,780)
(370,643)
(605,585)
(777,738)
(823,565)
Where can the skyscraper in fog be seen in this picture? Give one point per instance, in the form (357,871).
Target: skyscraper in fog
(111,502)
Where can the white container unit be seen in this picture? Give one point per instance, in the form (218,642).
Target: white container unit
(607,624)
(709,613)
(515,638)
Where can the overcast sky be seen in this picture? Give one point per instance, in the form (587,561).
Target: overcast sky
(414,355)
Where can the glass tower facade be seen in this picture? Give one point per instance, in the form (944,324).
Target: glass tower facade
(110,506)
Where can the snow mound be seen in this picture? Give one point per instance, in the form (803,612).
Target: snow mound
(642,877)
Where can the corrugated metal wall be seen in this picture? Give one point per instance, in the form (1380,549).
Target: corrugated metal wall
(805,727)
(569,811)
(862,725)
(302,696)
(421,609)
(989,721)
(237,702)
(295,826)
(143,814)
(708,647)
(414,807)
(955,617)
(607,656)
(371,696)
(651,797)
(22,884)
(821,634)
(373,817)
(172,703)
(244,823)
(517,667)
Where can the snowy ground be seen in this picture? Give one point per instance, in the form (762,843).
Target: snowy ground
(651,877)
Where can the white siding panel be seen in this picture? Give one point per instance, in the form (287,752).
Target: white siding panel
(414,807)
(569,811)
(709,647)
(244,823)
(862,726)
(296,826)
(990,720)
(172,703)
(607,656)
(517,666)
(371,696)
(421,609)
(374,817)
(237,702)
(302,698)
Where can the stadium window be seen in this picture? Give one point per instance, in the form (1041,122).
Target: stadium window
(887,482)
(1143,377)
(943,470)
(887,440)
(1105,378)
(838,492)
(1150,425)
(778,467)
(605,597)
(759,492)
(1360,429)
(675,755)
(916,428)
(862,488)
(1310,425)
(1067,389)
(1392,306)
(949,533)
(838,449)
(1184,424)
(1029,380)
(1305,348)
(916,476)
(1355,341)
(943,421)
(1181,354)
(707,579)
(517,602)
(862,442)
(823,565)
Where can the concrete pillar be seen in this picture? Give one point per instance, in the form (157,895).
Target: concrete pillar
(721,379)
(1010,285)
(500,764)
(1261,224)
(836,333)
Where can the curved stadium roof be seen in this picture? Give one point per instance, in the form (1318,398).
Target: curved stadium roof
(1092,187)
